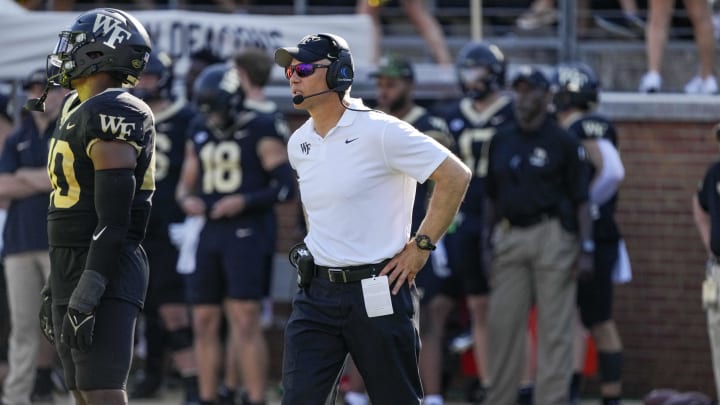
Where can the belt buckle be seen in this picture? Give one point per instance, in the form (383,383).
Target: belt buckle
(334,272)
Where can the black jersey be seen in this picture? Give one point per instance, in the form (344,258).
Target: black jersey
(534,173)
(472,132)
(171,126)
(229,162)
(436,128)
(590,127)
(113,115)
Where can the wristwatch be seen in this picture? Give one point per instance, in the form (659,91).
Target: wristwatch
(423,242)
(588,246)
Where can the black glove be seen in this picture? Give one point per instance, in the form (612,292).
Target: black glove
(46,321)
(77,330)
(79,322)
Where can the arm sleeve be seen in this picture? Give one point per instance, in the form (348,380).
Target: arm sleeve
(608,181)
(114,192)
(280,189)
(577,175)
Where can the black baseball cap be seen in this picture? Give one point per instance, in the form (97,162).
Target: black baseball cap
(38,76)
(311,48)
(394,66)
(532,76)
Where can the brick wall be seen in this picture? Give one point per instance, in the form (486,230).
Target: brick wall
(659,313)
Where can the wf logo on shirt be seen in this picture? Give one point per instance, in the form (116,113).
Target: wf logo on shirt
(116,126)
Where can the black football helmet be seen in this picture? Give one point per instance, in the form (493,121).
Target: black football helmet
(575,86)
(218,90)
(100,40)
(160,64)
(480,69)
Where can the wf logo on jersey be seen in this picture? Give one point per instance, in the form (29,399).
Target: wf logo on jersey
(116,126)
(594,129)
(305,148)
(111,27)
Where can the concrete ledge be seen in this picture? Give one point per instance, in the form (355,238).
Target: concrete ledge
(660,107)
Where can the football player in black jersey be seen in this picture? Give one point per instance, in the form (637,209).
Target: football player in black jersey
(575,98)
(254,67)
(167,316)
(472,121)
(235,170)
(101,166)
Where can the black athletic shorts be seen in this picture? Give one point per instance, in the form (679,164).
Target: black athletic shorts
(166,284)
(595,296)
(464,248)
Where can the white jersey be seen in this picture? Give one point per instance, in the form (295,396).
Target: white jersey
(357,184)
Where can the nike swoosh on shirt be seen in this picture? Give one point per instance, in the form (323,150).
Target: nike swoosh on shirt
(96,236)
(351,140)
(70,125)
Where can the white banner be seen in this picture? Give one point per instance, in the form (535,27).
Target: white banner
(27,38)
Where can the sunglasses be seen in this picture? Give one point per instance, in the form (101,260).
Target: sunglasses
(302,69)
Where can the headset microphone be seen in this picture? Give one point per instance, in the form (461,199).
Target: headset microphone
(37,104)
(300,98)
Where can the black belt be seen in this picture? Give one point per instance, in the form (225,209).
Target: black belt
(530,220)
(349,274)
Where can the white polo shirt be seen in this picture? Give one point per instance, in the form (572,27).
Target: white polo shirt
(358,184)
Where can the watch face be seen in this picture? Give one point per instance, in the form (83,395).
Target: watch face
(423,242)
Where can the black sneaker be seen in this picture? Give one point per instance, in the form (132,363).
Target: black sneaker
(475,392)
(226,396)
(525,395)
(624,25)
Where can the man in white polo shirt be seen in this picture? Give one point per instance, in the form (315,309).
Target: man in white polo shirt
(357,171)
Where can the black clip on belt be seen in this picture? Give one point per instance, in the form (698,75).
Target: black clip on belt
(349,274)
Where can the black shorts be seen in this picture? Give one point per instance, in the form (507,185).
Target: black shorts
(129,283)
(166,284)
(465,254)
(594,297)
(432,281)
(107,364)
(231,262)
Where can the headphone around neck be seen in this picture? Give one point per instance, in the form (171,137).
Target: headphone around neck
(340,73)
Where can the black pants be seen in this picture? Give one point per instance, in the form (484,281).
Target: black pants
(329,321)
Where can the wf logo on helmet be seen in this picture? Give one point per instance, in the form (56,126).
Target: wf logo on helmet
(106,25)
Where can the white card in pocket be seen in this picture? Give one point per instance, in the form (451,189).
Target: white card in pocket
(376,293)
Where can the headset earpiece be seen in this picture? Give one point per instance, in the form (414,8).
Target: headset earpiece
(340,73)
